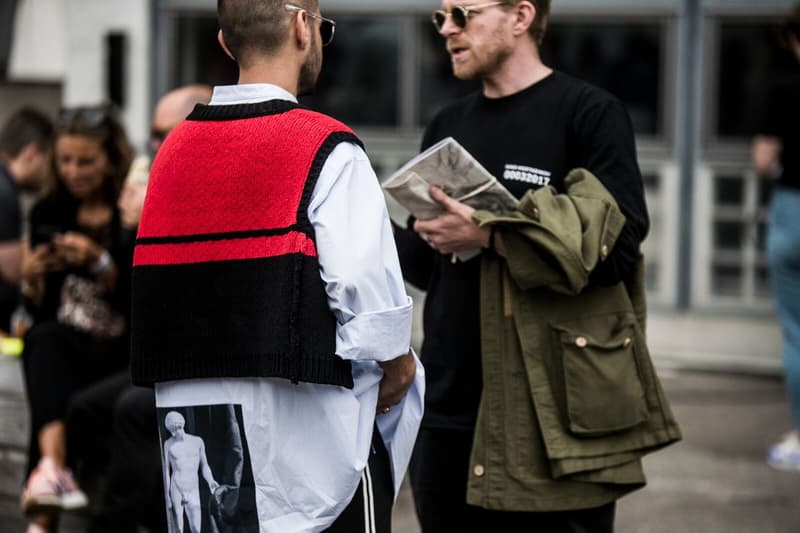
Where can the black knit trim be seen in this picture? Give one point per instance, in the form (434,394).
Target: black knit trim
(223,236)
(333,371)
(203,112)
(333,140)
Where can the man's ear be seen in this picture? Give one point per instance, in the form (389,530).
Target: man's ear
(224,46)
(525,15)
(302,30)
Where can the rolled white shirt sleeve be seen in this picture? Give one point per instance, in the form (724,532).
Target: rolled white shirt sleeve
(358,259)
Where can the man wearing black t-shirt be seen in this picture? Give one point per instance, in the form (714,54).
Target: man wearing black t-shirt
(528,126)
(25,142)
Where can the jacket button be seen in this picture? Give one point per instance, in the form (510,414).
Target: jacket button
(478,470)
(581,342)
(536,213)
(627,342)
(604,250)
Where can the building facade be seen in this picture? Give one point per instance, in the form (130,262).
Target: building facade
(691,73)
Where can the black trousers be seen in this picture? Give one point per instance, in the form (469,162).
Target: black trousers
(9,298)
(439,470)
(59,361)
(370,510)
(114,423)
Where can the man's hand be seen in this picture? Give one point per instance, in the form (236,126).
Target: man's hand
(39,261)
(131,202)
(453,231)
(398,375)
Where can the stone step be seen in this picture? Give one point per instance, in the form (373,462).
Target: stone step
(14,421)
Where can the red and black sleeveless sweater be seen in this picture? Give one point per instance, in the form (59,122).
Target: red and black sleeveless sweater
(226,279)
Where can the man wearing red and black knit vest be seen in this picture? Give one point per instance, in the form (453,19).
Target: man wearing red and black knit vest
(269,309)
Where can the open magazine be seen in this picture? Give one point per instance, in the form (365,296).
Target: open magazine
(449,166)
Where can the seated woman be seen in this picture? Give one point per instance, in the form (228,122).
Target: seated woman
(76,278)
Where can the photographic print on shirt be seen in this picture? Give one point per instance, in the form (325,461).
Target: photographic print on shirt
(208,477)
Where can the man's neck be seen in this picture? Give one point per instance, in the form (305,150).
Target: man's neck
(275,71)
(519,71)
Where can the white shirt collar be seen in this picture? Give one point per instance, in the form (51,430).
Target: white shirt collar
(249,94)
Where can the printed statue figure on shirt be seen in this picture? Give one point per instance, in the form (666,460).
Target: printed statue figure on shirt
(184,454)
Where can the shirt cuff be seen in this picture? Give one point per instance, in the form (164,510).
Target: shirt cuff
(376,336)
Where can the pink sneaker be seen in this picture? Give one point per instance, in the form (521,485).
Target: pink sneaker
(51,489)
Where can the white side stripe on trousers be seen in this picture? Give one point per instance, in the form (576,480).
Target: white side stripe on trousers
(369,501)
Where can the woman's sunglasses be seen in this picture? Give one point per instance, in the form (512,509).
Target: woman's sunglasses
(460,14)
(88,117)
(327,27)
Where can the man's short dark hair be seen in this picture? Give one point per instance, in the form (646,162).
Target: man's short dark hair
(539,26)
(25,126)
(256,26)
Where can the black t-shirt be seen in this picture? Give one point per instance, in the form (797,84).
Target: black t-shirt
(10,230)
(10,220)
(782,120)
(527,140)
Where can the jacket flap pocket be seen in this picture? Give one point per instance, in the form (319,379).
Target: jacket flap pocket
(602,383)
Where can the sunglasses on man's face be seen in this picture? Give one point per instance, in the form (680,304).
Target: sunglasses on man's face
(327,27)
(459,14)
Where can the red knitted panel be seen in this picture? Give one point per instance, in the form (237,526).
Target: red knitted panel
(220,176)
(225,250)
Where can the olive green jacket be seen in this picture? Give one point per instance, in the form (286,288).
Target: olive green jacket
(571,401)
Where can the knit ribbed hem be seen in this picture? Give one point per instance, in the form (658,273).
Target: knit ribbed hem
(154,368)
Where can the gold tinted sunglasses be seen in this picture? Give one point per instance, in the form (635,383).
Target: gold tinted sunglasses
(459,14)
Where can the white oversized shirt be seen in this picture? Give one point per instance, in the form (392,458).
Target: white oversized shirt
(309,443)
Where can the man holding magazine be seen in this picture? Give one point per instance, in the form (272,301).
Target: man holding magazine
(541,396)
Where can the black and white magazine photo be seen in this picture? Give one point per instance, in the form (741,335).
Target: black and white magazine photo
(208,478)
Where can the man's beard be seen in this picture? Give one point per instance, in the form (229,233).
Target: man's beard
(309,72)
(485,63)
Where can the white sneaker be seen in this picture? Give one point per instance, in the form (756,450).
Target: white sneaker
(786,454)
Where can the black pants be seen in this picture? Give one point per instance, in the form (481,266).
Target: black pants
(439,470)
(9,298)
(370,510)
(114,423)
(59,361)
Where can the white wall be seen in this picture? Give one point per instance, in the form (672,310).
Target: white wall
(37,51)
(64,41)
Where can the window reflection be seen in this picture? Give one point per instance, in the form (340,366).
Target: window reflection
(199,58)
(359,81)
(624,59)
(750,60)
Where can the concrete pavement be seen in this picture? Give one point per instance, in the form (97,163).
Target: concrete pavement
(714,481)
